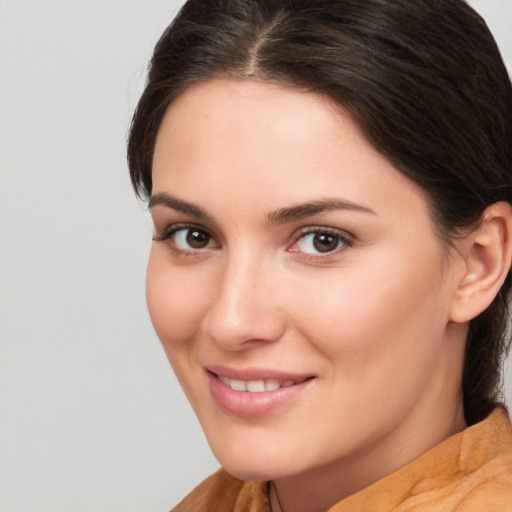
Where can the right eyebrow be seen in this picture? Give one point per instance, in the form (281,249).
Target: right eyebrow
(179,205)
(305,210)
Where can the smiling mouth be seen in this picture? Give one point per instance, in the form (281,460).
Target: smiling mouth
(259,386)
(244,394)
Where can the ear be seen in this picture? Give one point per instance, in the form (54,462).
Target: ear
(487,253)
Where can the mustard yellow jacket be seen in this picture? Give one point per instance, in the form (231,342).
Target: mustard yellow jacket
(468,472)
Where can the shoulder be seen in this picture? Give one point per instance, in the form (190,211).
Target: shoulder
(223,492)
(487,458)
(468,472)
(477,475)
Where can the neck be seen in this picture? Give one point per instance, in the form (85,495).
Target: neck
(321,488)
(436,415)
(275,506)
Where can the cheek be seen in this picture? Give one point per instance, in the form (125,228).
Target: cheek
(174,302)
(369,316)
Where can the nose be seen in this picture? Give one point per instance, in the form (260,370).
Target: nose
(245,311)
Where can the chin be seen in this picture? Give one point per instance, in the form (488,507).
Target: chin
(252,465)
(250,474)
(253,472)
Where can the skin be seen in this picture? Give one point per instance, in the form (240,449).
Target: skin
(370,321)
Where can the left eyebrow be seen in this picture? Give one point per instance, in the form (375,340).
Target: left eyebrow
(179,205)
(309,209)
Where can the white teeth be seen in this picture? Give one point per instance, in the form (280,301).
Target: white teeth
(238,385)
(255,386)
(272,384)
(225,380)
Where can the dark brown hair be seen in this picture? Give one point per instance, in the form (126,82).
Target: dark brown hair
(423,79)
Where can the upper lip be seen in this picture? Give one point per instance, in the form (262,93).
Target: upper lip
(255,373)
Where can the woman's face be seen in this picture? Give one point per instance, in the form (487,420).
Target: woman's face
(298,286)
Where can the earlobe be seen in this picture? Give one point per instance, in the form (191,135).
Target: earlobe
(487,259)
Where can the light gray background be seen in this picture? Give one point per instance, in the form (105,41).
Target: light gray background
(91,417)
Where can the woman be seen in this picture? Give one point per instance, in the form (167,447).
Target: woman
(331,192)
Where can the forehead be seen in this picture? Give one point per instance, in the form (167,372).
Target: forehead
(249,143)
(249,113)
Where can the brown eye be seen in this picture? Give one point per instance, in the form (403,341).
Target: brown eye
(325,242)
(187,238)
(197,239)
(321,241)
(190,238)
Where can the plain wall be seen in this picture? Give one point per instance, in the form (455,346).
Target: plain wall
(91,417)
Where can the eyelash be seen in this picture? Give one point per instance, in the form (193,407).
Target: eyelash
(344,239)
(171,230)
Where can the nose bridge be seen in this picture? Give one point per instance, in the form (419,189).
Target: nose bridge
(243,309)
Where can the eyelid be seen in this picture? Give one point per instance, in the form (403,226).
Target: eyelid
(172,229)
(346,238)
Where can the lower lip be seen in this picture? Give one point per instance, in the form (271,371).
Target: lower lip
(252,405)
